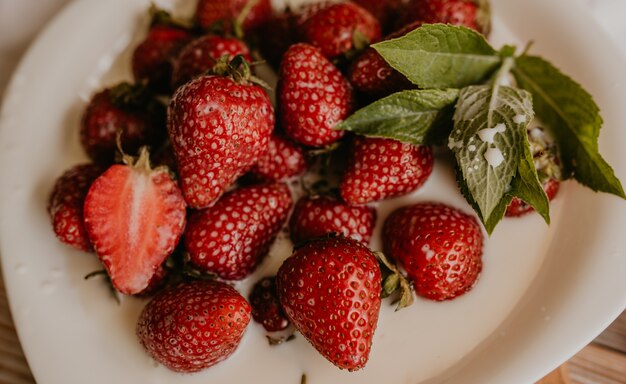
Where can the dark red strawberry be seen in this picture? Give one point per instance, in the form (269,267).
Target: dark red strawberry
(335,28)
(439,246)
(209,12)
(219,127)
(386,12)
(194,325)
(518,207)
(266,308)
(330,289)
(125,108)
(319,215)
(467,13)
(201,55)
(65,205)
(275,36)
(313,96)
(134,216)
(232,237)
(383,168)
(153,56)
(370,74)
(283,159)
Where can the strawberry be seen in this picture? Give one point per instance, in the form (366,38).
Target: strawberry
(201,55)
(65,205)
(312,96)
(330,290)
(384,11)
(152,58)
(218,127)
(276,36)
(209,12)
(134,216)
(467,13)
(266,308)
(370,74)
(194,325)
(439,246)
(232,237)
(283,159)
(383,168)
(319,215)
(125,108)
(336,29)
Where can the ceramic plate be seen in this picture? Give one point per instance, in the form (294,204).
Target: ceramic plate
(544,293)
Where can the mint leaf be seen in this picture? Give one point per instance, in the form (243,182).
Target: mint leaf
(488,141)
(573,119)
(415,116)
(526,184)
(441,56)
(496,215)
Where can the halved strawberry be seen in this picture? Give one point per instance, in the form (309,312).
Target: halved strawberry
(134,217)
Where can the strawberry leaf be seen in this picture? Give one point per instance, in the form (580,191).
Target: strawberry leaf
(415,116)
(488,142)
(573,119)
(441,56)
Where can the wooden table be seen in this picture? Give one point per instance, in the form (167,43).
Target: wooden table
(601,362)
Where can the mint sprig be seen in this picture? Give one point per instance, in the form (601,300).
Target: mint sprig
(459,71)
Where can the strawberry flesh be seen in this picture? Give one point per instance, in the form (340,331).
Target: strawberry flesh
(134,217)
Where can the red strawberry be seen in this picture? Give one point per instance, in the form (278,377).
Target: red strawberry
(266,308)
(208,12)
(201,55)
(232,237)
(134,217)
(152,57)
(518,207)
(218,128)
(334,28)
(282,160)
(384,11)
(439,246)
(317,216)
(330,289)
(276,36)
(194,325)
(457,12)
(157,282)
(370,74)
(313,96)
(383,168)
(65,205)
(126,108)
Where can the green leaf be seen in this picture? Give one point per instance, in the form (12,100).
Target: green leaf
(526,185)
(441,56)
(573,118)
(488,141)
(414,116)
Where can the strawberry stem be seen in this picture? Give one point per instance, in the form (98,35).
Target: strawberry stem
(238,23)
(394,283)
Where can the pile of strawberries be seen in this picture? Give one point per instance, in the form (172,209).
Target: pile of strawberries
(202,208)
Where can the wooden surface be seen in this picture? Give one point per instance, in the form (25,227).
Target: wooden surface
(602,362)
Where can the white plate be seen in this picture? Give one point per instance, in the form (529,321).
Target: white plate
(544,293)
